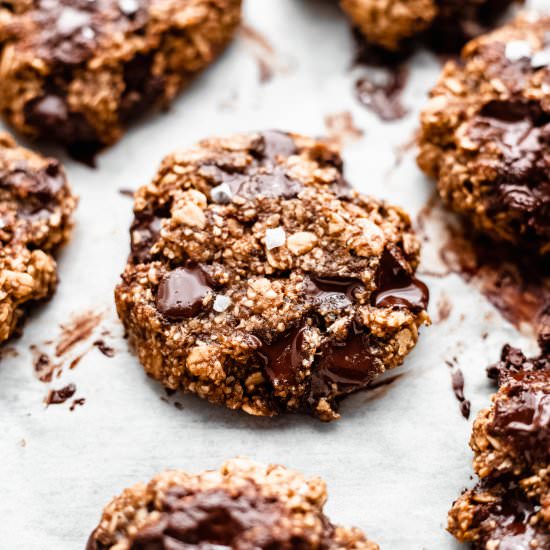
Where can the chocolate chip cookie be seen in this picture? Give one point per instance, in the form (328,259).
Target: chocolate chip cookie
(35,219)
(485,134)
(444,25)
(510,505)
(260,279)
(78,70)
(244,504)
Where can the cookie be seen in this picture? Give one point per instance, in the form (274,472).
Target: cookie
(244,504)
(510,505)
(260,279)
(445,25)
(35,219)
(78,71)
(485,134)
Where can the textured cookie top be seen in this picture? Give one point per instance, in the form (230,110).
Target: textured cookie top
(244,505)
(485,133)
(35,210)
(71,32)
(510,506)
(444,25)
(514,434)
(254,255)
(77,71)
(35,200)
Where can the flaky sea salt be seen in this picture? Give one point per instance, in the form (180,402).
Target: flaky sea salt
(275,237)
(517,49)
(540,59)
(221,303)
(221,193)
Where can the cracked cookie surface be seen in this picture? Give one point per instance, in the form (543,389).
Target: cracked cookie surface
(78,71)
(486,130)
(35,210)
(510,505)
(261,280)
(444,24)
(243,505)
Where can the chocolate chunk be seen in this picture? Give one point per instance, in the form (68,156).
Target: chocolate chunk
(206,519)
(276,144)
(397,288)
(57,397)
(181,293)
(284,358)
(344,367)
(273,184)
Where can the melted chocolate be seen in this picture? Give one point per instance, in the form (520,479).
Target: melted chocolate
(344,367)
(284,358)
(214,517)
(181,293)
(398,288)
(522,188)
(326,288)
(508,518)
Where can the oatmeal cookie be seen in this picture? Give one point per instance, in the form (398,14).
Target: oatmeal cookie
(78,70)
(35,210)
(259,279)
(444,24)
(242,505)
(485,134)
(510,505)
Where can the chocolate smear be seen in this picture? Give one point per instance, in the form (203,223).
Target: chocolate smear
(79,329)
(77,403)
(457,384)
(57,397)
(106,350)
(382,94)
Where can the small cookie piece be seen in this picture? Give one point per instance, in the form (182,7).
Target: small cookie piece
(35,210)
(78,70)
(510,506)
(259,279)
(244,504)
(444,24)
(485,134)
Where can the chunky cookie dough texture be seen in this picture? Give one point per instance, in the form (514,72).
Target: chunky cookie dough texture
(485,134)
(243,505)
(78,70)
(259,279)
(444,24)
(35,219)
(510,505)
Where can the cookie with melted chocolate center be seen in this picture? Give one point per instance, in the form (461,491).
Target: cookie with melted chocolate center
(243,505)
(77,71)
(261,280)
(486,132)
(35,219)
(445,25)
(510,505)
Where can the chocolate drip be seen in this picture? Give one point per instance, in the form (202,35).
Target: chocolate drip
(398,288)
(181,292)
(284,358)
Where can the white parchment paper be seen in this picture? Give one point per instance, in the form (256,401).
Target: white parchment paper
(399,455)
